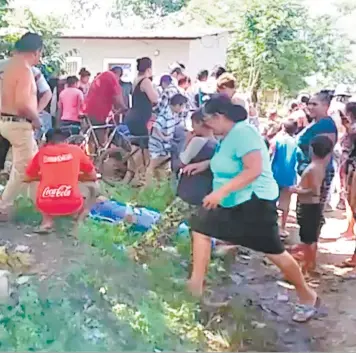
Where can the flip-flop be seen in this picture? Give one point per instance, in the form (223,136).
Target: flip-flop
(43,230)
(304,313)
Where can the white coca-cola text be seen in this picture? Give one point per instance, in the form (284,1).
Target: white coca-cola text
(58,159)
(62,191)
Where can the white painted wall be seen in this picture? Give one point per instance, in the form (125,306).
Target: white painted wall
(95,51)
(197,54)
(206,52)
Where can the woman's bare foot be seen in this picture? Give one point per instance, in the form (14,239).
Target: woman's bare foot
(196,289)
(349,263)
(349,234)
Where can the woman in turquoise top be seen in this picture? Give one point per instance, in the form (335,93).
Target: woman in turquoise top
(242,206)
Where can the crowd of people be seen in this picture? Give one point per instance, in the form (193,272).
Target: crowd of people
(233,171)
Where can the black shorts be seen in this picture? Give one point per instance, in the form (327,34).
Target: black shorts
(309,218)
(252,224)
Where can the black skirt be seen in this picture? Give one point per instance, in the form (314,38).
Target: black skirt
(252,224)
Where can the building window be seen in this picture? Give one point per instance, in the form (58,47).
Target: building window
(128,67)
(73,64)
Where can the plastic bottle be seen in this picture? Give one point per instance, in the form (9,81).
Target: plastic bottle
(183,230)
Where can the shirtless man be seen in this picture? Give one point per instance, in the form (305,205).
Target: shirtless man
(19,113)
(309,214)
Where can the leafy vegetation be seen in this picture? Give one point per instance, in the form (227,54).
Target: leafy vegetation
(277,44)
(106,301)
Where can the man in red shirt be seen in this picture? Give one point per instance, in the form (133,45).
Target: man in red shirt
(59,166)
(104,94)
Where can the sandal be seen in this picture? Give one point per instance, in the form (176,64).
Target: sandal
(304,313)
(43,230)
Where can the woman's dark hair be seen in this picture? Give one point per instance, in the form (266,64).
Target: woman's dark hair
(72,80)
(84,72)
(29,42)
(203,74)
(305,99)
(218,71)
(351,109)
(324,96)
(177,70)
(221,104)
(144,64)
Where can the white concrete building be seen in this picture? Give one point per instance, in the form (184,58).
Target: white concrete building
(99,51)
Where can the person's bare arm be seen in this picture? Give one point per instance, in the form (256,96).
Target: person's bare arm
(44,100)
(196,168)
(119,103)
(152,94)
(59,110)
(310,179)
(24,96)
(91,176)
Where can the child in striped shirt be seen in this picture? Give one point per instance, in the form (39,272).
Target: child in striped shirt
(161,138)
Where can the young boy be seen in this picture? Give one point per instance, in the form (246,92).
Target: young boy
(284,160)
(59,166)
(162,137)
(309,214)
(70,103)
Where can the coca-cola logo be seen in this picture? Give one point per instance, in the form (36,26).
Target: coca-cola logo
(58,159)
(61,191)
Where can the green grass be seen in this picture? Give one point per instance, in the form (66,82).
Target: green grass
(133,306)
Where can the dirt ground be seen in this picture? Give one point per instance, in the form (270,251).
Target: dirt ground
(252,280)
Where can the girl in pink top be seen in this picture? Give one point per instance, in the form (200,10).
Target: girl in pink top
(70,103)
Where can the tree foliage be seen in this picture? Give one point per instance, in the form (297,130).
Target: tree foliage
(48,27)
(149,8)
(276,44)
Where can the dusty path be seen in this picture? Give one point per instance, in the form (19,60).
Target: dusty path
(253,282)
(259,285)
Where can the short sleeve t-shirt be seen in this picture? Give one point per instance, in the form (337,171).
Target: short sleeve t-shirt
(58,167)
(227,163)
(71,101)
(166,125)
(99,101)
(41,83)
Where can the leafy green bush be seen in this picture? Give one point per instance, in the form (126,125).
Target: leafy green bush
(107,301)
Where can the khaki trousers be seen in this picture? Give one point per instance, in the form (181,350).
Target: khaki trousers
(24,148)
